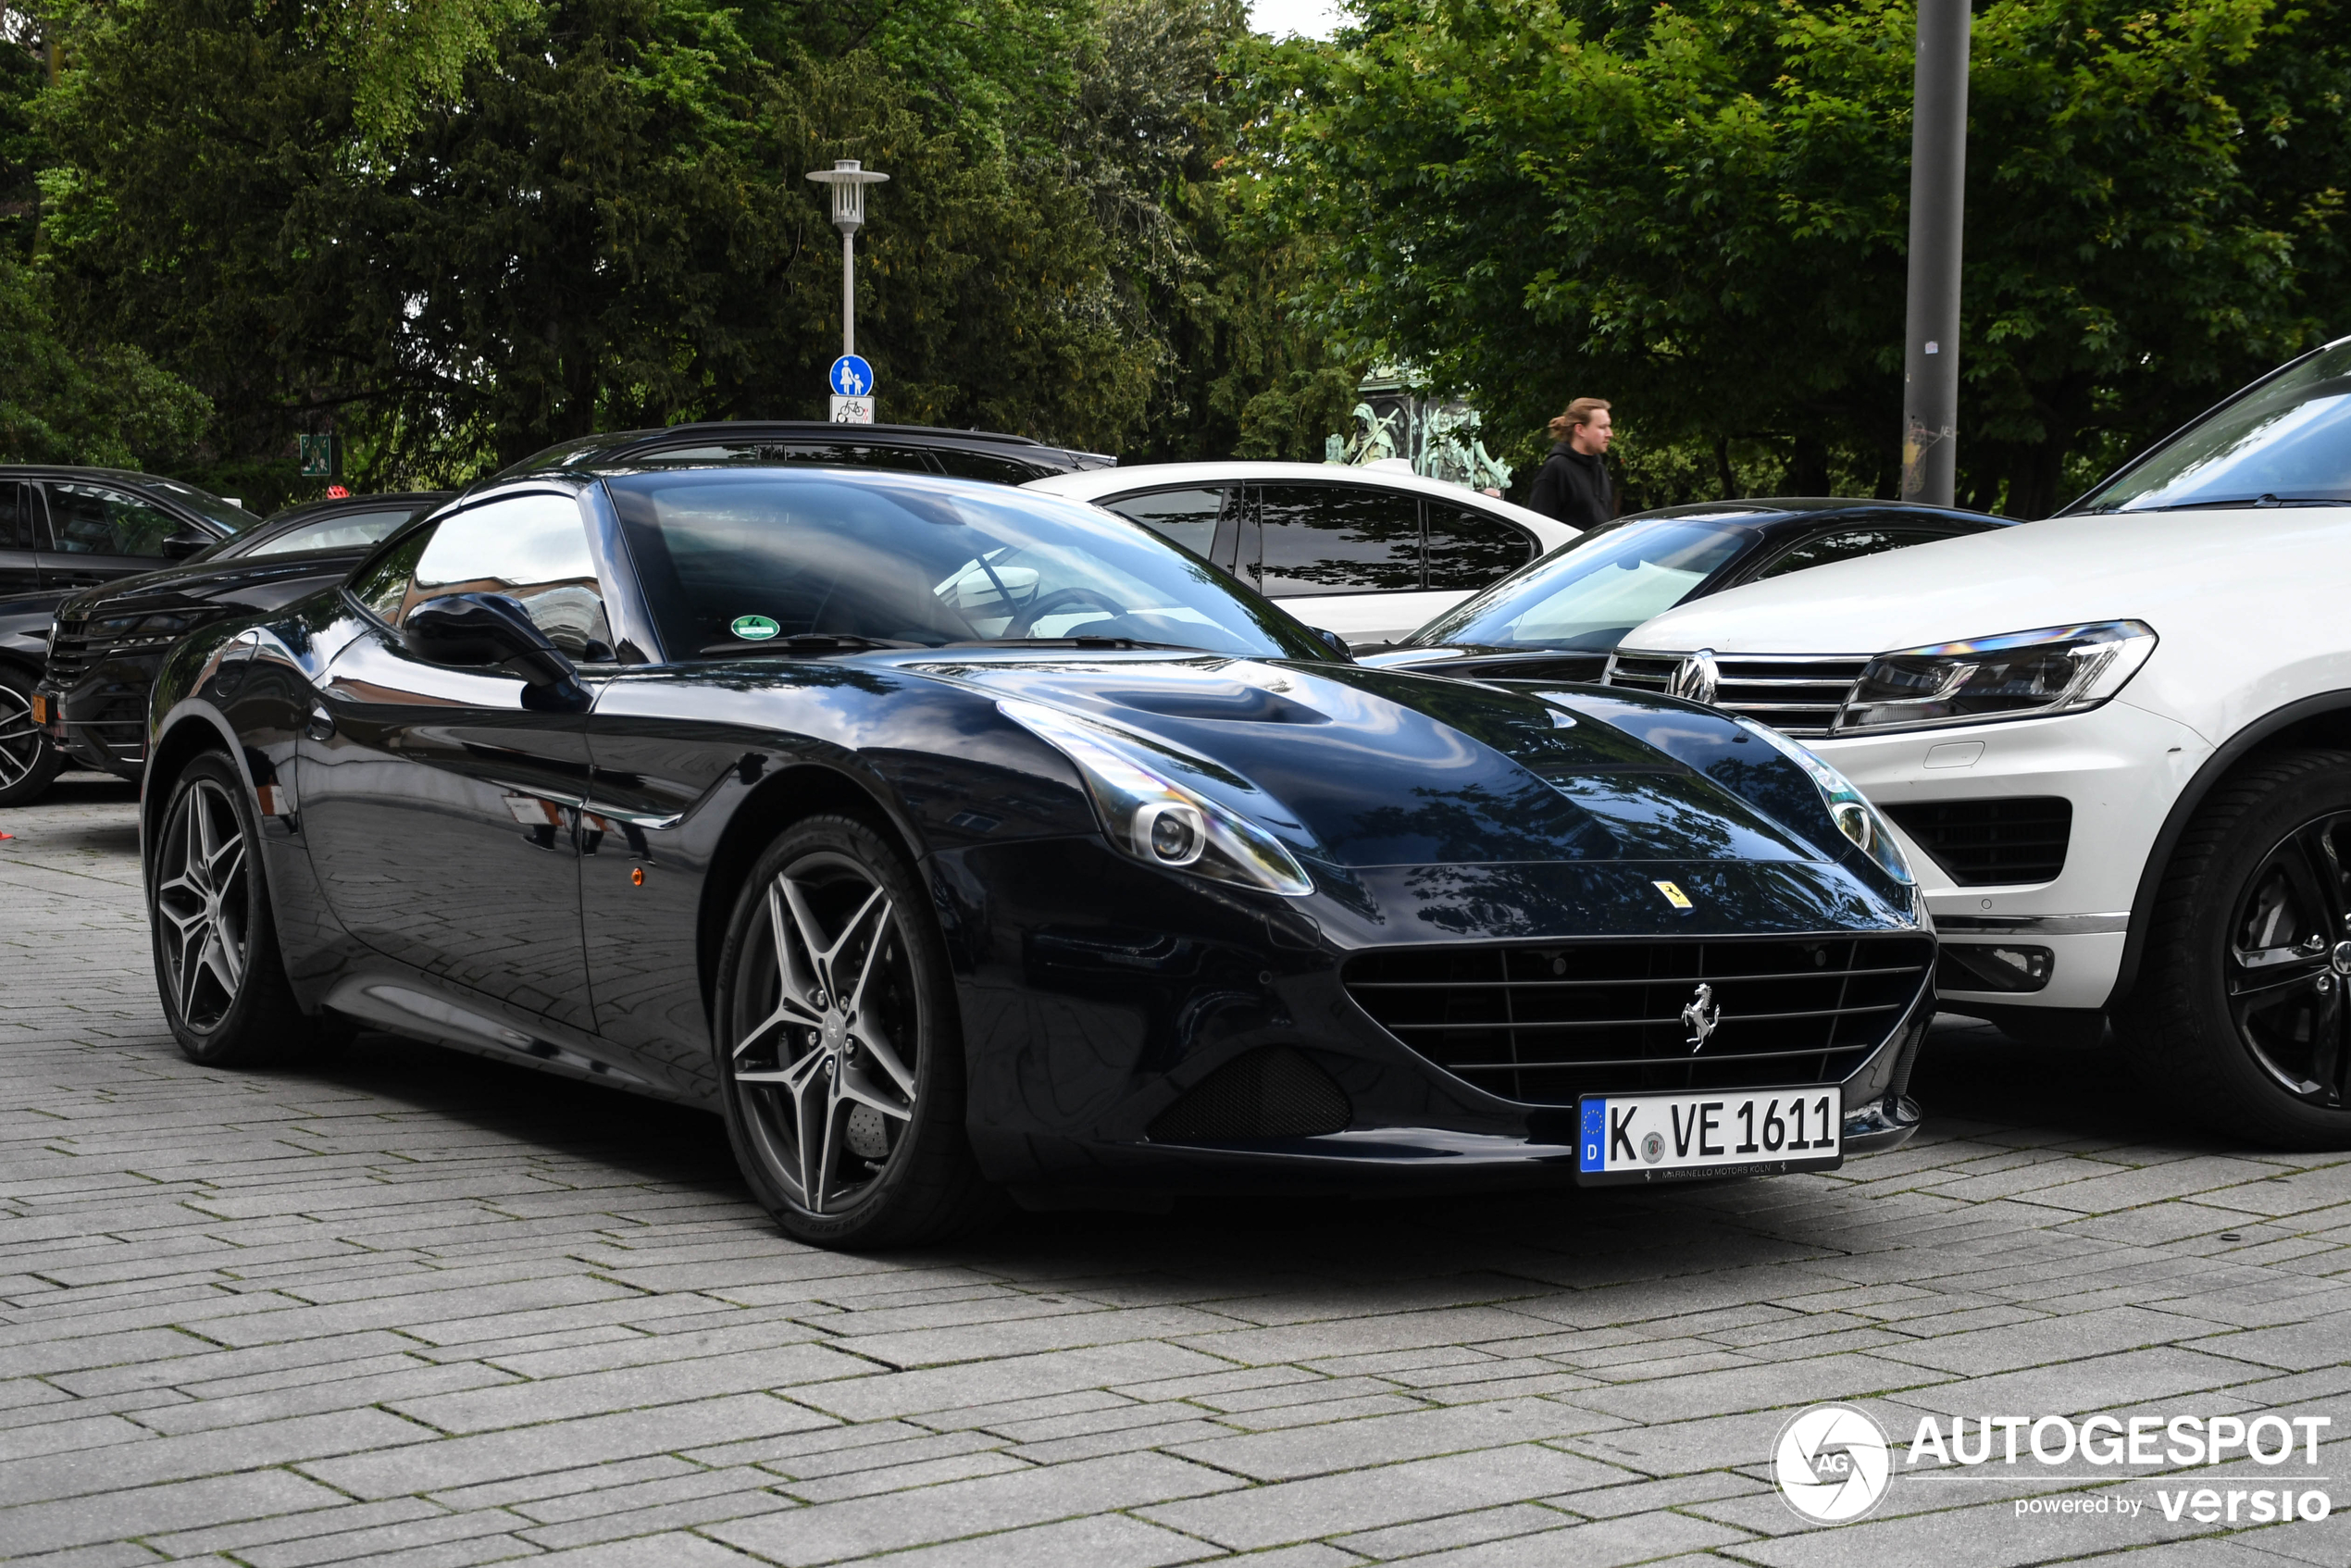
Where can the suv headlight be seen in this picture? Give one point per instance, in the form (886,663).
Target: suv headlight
(1149,817)
(1847,808)
(2058,669)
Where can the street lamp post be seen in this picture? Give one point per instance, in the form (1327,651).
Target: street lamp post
(849,179)
(1938,207)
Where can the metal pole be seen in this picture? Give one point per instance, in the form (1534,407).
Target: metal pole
(1938,206)
(848,291)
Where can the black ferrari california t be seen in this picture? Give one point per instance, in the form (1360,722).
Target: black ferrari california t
(951,839)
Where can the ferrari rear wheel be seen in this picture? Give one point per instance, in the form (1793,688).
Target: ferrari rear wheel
(841,1064)
(28,759)
(224,992)
(2246,1009)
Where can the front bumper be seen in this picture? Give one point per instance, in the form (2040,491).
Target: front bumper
(2120,767)
(101,719)
(1099,997)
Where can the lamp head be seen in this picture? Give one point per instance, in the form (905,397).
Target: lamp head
(849,179)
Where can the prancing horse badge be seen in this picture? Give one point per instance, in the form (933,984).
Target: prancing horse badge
(1701,1015)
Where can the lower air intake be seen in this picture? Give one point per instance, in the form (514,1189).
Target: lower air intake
(1273,1092)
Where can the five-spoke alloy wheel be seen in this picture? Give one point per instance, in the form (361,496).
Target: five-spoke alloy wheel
(2241,1004)
(224,985)
(843,1069)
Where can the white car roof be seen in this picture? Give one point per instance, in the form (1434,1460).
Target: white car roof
(1096,484)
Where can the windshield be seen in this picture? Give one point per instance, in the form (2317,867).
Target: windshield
(732,560)
(2286,438)
(1589,594)
(236,519)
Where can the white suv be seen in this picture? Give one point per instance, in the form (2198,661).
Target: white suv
(2116,745)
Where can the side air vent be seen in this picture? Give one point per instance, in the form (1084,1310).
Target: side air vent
(1979,843)
(1273,1092)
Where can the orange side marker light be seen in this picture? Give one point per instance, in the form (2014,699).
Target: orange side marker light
(637,878)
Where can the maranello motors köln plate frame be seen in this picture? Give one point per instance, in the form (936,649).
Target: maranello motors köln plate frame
(1630,1138)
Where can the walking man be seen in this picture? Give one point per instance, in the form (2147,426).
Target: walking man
(1573,485)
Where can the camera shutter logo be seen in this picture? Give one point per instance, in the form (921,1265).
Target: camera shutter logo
(1832,1463)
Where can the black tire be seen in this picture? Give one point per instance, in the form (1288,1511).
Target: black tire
(2241,1006)
(223,981)
(857,1099)
(30,761)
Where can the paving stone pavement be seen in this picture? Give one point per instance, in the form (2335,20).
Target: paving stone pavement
(407,1307)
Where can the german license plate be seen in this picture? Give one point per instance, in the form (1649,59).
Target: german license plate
(40,710)
(1680,1136)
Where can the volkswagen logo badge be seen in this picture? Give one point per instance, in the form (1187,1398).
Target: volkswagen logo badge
(1701,1015)
(1696,678)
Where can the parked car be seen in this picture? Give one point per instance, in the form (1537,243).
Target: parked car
(947,837)
(63,528)
(1368,553)
(1558,618)
(914,449)
(2117,744)
(106,643)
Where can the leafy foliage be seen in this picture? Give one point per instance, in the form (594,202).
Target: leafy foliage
(1700,209)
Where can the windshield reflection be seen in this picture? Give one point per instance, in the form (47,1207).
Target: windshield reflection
(2285,439)
(1586,596)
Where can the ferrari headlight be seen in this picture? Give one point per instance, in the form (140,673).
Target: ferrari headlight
(2057,669)
(1847,808)
(1151,817)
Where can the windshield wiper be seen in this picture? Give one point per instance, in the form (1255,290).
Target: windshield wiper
(804,644)
(1088,642)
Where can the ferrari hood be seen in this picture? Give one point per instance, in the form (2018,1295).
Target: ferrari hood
(1362,767)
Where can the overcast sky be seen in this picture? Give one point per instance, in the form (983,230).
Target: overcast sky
(1314,19)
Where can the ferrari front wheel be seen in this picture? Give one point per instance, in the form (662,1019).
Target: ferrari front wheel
(840,1060)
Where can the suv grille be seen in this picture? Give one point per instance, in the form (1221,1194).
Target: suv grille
(1981,842)
(1545,1024)
(68,653)
(1797,693)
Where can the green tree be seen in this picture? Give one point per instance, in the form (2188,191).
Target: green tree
(1698,209)
(71,403)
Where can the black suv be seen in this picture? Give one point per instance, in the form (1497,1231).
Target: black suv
(63,528)
(108,641)
(919,449)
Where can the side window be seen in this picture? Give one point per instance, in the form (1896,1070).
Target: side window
(1469,549)
(1335,538)
(382,583)
(825,454)
(984,465)
(348,530)
(1182,517)
(1846,544)
(93,520)
(16,526)
(532,548)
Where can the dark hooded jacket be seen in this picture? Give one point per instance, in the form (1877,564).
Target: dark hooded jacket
(1573,488)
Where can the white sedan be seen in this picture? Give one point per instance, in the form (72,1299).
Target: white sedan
(1368,552)
(2116,744)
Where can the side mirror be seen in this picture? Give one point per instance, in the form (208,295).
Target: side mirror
(491,628)
(1337,643)
(187,542)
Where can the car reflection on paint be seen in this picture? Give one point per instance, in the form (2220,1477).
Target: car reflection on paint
(951,841)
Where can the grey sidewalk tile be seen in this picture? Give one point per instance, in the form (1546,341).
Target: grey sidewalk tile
(1989,1536)
(158,1460)
(140,1511)
(833,1531)
(1764,1387)
(557,1398)
(1453,1530)
(1273,1418)
(1604,1544)
(1067,1331)
(379,1542)
(684,1515)
(510,1491)
(1328,1505)
(2091,1384)
(1008,1379)
(671,1549)
(1353,1445)
(871,1480)
(1167,1435)
(1107,1540)
(1311,1341)
(250,1533)
(562,1445)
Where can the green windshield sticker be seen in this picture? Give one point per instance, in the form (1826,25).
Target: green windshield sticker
(753,629)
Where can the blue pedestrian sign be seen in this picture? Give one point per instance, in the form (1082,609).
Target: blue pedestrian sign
(852,377)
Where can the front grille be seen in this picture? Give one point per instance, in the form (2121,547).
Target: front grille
(68,653)
(1979,843)
(1546,1024)
(1272,1092)
(1797,693)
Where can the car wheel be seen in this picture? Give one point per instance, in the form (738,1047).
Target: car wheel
(28,759)
(2244,1007)
(839,1054)
(224,992)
